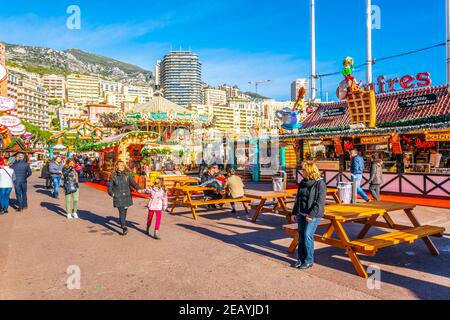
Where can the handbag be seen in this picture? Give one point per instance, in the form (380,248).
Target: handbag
(70,187)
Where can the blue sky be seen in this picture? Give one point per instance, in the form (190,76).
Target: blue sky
(239,40)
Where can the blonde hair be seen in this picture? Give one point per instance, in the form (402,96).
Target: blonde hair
(311,171)
(159,182)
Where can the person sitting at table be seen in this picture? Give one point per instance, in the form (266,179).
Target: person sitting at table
(234,187)
(208,179)
(309,208)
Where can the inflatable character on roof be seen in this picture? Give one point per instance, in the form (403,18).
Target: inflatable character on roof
(349,84)
(291,117)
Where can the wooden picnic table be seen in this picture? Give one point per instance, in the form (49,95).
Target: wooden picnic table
(184,196)
(280,198)
(336,216)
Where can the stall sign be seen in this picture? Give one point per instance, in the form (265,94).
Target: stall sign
(18,130)
(159,116)
(332,112)
(443,136)
(3,72)
(9,121)
(407,82)
(374,140)
(7,104)
(136,116)
(328,165)
(422,100)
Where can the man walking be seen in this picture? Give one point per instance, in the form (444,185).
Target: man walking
(22,171)
(357,170)
(55,168)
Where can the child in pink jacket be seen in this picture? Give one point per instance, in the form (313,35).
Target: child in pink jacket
(156,205)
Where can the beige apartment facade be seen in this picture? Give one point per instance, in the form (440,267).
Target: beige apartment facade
(32,104)
(83,89)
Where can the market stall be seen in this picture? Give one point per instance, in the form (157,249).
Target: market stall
(412,137)
(126,147)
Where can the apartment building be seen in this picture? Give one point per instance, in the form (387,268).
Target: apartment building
(137,94)
(32,103)
(13,86)
(67,114)
(96,110)
(83,89)
(2,53)
(55,86)
(213,96)
(181,77)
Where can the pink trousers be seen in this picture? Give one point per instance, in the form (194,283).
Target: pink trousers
(151,213)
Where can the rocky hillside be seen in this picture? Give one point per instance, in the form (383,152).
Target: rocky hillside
(50,61)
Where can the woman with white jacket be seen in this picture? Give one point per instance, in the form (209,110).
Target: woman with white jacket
(7,178)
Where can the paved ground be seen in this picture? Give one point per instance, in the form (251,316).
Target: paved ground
(221,256)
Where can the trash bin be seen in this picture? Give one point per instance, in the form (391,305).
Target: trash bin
(345,192)
(278,184)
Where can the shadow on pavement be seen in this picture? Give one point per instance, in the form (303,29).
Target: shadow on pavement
(111,223)
(255,241)
(415,258)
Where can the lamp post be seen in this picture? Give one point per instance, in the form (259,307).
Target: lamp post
(313,50)
(369,41)
(447,15)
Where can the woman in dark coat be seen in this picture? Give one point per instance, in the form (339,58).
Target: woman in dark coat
(119,188)
(309,208)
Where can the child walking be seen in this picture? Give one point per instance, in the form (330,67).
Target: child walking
(157,204)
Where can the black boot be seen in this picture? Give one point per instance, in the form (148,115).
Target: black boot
(124,231)
(147,232)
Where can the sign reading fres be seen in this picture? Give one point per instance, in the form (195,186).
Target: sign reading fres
(417,101)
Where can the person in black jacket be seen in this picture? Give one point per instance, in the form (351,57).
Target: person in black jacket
(22,171)
(309,208)
(119,188)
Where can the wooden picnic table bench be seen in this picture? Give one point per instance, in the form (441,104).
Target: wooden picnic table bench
(280,199)
(368,214)
(187,194)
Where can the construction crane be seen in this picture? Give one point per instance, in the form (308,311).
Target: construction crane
(257,83)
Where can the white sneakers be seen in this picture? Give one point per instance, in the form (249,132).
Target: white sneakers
(71,216)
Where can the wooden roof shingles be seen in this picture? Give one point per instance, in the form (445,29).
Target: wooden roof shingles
(388,109)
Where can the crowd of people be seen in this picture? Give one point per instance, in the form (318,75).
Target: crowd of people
(14,172)
(309,205)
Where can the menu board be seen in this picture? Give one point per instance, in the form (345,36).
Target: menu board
(332,112)
(422,100)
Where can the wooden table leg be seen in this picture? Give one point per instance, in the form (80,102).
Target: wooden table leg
(367,226)
(258,210)
(245,207)
(293,245)
(282,205)
(175,202)
(336,197)
(430,245)
(344,239)
(189,202)
(357,263)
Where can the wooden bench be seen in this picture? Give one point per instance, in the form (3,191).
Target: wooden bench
(244,202)
(185,195)
(370,246)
